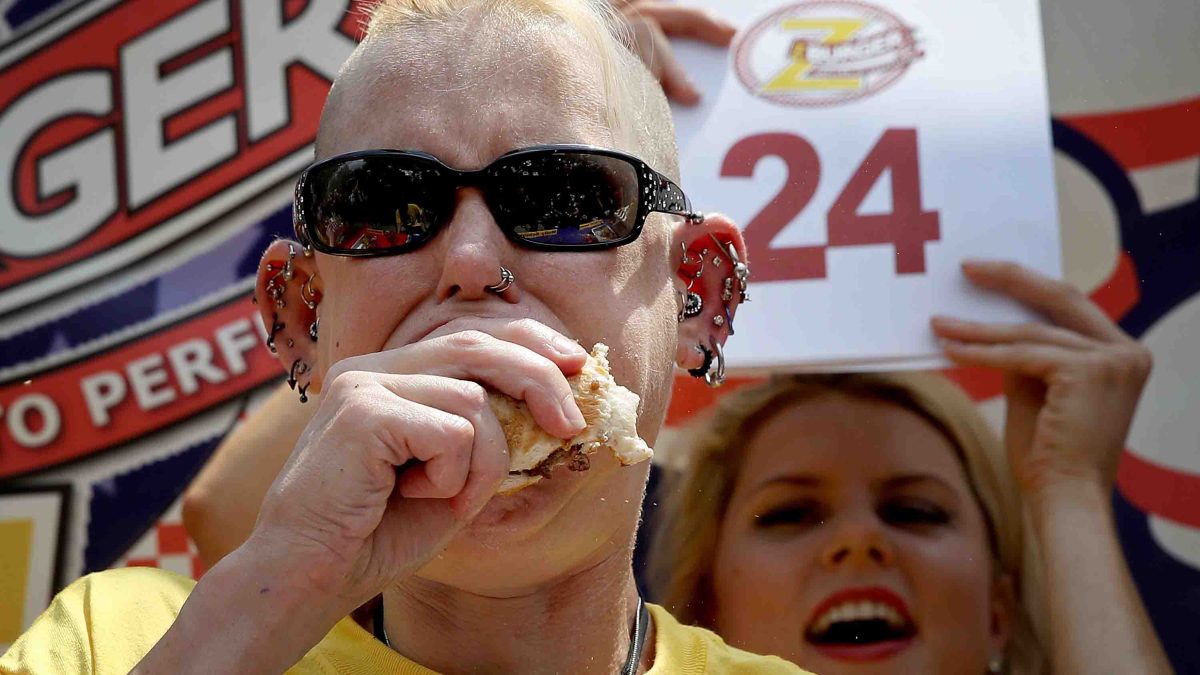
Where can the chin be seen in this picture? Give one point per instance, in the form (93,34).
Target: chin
(543,532)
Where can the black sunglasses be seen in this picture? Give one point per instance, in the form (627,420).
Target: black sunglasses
(547,197)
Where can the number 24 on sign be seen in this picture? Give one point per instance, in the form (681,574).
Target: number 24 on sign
(907,226)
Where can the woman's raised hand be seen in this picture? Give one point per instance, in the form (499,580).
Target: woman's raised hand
(1072,387)
(653,22)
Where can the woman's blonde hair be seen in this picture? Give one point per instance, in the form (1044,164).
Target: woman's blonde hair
(714,450)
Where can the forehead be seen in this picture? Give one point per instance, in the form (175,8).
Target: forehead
(844,439)
(467,91)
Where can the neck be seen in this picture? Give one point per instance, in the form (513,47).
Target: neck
(579,623)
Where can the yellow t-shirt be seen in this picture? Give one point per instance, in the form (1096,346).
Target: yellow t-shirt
(106,623)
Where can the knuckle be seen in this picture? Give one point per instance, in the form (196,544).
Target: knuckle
(1136,360)
(458,433)
(343,382)
(468,339)
(473,395)
(530,327)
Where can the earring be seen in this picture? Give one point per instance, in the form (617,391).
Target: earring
(308,294)
(276,327)
(702,371)
(715,377)
(995,665)
(312,329)
(693,304)
(299,368)
(278,282)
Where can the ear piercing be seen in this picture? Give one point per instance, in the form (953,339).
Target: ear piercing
(713,377)
(278,282)
(276,328)
(308,294)
(693,305)
(740,270)
(312,329)
(299,368)
(702,371)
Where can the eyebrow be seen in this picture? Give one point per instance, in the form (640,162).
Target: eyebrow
(915,479)
(799,480)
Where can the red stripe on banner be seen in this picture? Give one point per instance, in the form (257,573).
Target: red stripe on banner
(132,390)
(1153,488)
(1147,136)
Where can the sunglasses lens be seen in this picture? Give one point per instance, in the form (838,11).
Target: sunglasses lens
(566,199)
(374,203)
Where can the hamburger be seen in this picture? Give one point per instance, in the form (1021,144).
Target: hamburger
(609,409)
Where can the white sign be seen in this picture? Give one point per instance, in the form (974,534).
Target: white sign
(866,149)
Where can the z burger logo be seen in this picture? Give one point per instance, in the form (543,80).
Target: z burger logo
(824,52)
(125,126)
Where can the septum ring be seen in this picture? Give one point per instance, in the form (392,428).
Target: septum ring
(507,279)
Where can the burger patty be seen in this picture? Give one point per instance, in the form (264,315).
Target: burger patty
(574,457)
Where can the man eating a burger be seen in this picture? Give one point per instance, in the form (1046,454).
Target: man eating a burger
(494,276)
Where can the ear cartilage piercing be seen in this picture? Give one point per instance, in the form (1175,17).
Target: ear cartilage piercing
(307,251)
(727,294)
(287,267)
(693,305)
(312,329)
(291,343)
(276,327)
(309,294)
(702,371)
(278,281)
(718,321)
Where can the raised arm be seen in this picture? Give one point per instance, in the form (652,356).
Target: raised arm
(221,505)
(1071,388)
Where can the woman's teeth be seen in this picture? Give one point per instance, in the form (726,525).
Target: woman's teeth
(858,611)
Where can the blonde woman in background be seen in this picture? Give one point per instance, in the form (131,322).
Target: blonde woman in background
(872,523)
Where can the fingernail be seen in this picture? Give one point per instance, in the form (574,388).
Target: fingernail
(574,416)
(566,347)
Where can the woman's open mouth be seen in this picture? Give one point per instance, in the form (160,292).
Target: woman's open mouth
(861,624)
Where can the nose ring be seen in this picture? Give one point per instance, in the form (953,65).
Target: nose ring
(507,279)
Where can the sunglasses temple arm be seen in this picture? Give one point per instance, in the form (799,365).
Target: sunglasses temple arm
(673,201)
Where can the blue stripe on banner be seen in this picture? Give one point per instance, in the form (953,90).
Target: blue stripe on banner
(219,268)
(126,506)
(21,12)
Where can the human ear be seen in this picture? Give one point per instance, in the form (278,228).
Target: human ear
(288,293)
(1003,615)
(711,275)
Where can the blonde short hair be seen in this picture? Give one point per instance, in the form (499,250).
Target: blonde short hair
(636,108)
(714,448)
